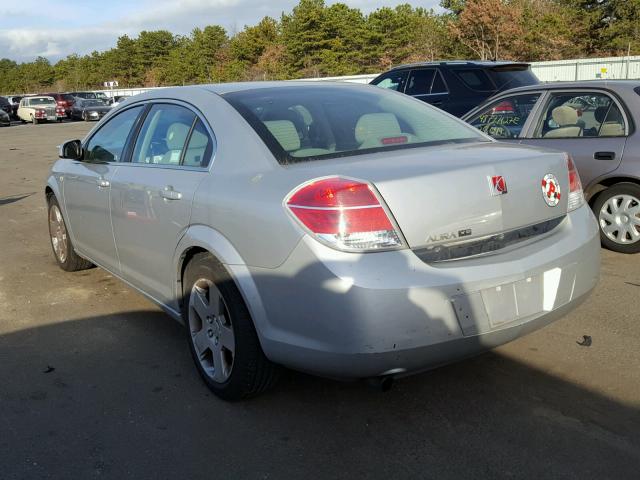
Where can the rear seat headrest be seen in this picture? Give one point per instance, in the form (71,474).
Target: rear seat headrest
(565,115)
(285,133)
(376,125)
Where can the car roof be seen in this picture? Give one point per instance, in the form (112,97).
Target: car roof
(468,63)
(603,84)
(224,88)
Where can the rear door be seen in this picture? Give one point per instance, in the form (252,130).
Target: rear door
(153,194)
(428,85)
(87,188)
(591,125)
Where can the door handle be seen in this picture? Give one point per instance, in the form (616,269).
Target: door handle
(168,193)
(604,155)
(102,183)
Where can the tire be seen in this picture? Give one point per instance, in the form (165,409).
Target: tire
(34,120)
(619,229)
(224,345)
(84,116)
(61,244)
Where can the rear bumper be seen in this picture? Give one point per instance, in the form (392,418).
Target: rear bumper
(361,315)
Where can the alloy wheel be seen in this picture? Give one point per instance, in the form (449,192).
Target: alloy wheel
(58,232)
(619,219)
(211,330)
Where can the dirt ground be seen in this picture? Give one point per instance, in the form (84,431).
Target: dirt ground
(96,382)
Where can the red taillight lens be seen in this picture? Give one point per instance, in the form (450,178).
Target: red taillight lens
(503,107)
(345,214)
(576,196)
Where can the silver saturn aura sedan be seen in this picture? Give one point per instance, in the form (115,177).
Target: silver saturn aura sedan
(337,229)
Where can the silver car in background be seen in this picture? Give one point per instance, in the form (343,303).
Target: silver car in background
(595,122)
(341,230)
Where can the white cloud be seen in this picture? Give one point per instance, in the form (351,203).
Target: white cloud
(85,27)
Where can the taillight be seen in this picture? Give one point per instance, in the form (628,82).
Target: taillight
(503,107)
(576,196)
(344,214)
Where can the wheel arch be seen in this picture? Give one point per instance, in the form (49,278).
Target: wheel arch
(602,184)
(202,239)
(52,189)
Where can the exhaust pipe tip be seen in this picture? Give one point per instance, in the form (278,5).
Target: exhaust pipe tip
(383,383)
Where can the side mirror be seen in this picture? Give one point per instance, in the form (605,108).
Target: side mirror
(71,150)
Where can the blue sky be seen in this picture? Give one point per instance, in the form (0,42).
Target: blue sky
(56,28)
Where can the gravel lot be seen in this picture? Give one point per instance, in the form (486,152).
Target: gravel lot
(96,382)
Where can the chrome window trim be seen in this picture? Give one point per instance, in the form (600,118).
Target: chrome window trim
(146,104)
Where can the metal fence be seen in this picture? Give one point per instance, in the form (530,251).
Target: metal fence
(613,68)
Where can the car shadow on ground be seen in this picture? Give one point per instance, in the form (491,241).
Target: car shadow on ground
(14,198)
(117,396)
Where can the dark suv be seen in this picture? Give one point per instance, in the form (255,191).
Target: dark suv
(456,87)
(6,106)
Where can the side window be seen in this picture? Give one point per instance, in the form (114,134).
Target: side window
(107,145)
(394,80)
(163,135)
(420,81)
(613,125)
(476,79)
(584,114)
(438,84)
(199,148)
(505,118)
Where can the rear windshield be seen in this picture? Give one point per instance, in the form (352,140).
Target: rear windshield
(42,101)
(316,122)
(93,103)
(511,77)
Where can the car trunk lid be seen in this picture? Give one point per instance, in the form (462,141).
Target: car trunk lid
(450,194)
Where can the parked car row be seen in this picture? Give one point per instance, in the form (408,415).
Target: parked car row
(87,106)
(593,121)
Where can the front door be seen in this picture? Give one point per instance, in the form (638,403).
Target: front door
(152,196)
(87,188)
(506,118)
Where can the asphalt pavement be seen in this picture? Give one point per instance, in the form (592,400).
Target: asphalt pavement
(97,382)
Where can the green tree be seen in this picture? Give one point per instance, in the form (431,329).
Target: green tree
(621,33)
(304,38)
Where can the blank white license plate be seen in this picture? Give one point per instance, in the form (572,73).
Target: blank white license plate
(494,307)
